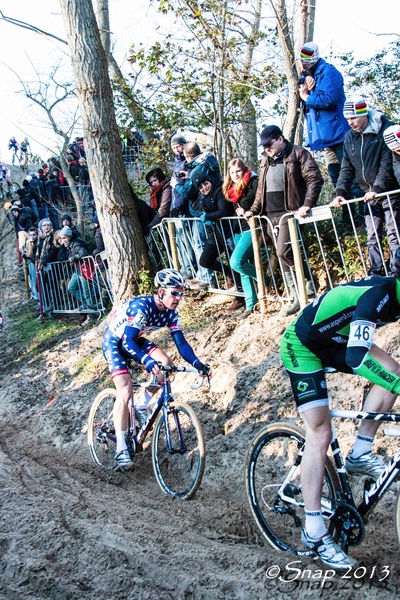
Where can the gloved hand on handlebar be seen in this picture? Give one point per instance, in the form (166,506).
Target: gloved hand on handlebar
(202,368)
(149,363)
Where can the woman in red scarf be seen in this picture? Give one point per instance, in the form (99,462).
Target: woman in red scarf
(160,196)
(240,187)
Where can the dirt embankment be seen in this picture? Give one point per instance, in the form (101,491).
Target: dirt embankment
(71,530)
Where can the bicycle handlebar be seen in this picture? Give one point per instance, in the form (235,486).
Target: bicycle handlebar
(152,382)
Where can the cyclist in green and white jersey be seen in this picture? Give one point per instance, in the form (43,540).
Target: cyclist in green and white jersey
(337,331)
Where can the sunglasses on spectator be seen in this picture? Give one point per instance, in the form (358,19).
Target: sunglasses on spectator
(176,294)
(269,145)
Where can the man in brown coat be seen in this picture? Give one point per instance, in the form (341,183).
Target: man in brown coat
(289,180)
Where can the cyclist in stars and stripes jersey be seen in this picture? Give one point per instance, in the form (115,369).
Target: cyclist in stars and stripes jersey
(337,331)
(124,339)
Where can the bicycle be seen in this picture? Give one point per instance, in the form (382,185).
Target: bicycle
(178,449)
(24,158)
(273,486)
(7,190)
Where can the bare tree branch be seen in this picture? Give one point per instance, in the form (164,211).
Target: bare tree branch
(30,27)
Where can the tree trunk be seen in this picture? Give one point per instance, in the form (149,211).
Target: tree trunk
(119,81)
(289,61)
(293,129)
(118,219)
(249,127)
(306,34)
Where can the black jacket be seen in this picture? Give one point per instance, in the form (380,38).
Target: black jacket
(216,206)
(396,167)
(367,158)
(246,201)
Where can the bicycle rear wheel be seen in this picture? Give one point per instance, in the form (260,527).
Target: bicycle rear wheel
(13,189)
(273,486)
(178,470)
(101,432)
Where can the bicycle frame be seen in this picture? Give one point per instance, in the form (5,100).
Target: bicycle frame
(374,490)
(164,399)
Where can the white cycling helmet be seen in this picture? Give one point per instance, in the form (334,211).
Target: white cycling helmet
(169,278)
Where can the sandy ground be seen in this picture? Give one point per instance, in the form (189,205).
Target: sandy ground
(72,530)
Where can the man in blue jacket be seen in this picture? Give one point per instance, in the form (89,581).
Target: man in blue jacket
(322,93)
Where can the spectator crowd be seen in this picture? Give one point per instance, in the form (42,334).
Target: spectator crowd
(361,148)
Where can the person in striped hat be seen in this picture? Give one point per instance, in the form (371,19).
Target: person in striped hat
(321,89)
(368,158)
(392,141)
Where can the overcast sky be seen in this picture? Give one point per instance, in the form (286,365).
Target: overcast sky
(341,26)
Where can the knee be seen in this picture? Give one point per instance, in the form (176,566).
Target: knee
(203,262)
(235,262)
(319,437)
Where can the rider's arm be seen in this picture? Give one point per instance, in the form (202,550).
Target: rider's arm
(373,306)
(372,370)
(186,351)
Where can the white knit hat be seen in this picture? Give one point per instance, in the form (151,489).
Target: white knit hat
(391,135)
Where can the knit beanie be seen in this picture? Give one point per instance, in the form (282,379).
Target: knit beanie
(16,207)
(391,135)
(66,217)
(178,140)
(309,53)
(198,177)
(355,108)
(66,232)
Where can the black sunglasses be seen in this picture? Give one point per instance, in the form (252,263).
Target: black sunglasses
(269,145)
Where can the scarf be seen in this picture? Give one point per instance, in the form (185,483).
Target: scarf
(153,195)
(47,237)
(233,193)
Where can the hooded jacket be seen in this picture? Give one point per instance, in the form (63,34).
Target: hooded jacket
(323,109)
(207,162)
(367,158)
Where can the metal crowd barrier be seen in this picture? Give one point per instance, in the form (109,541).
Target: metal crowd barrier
(320,249)
(179,243)
(78,287)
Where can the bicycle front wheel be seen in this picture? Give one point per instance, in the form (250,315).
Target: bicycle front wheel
(273,486)
(101,431)
(178,451)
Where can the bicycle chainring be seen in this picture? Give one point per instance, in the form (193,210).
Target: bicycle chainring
(349,525)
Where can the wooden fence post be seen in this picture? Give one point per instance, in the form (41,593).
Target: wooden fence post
(255,230)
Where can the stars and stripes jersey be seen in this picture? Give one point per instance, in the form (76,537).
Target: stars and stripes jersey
(128,324)
(142,314)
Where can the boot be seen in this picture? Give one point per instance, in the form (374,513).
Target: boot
(293,308)
(235,305)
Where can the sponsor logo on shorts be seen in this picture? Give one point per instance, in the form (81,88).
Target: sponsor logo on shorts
(306,388)
(292,356)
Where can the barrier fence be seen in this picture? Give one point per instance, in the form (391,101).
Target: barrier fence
(322,255)
(70,287)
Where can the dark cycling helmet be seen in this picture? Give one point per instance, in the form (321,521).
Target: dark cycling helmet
(169,278)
